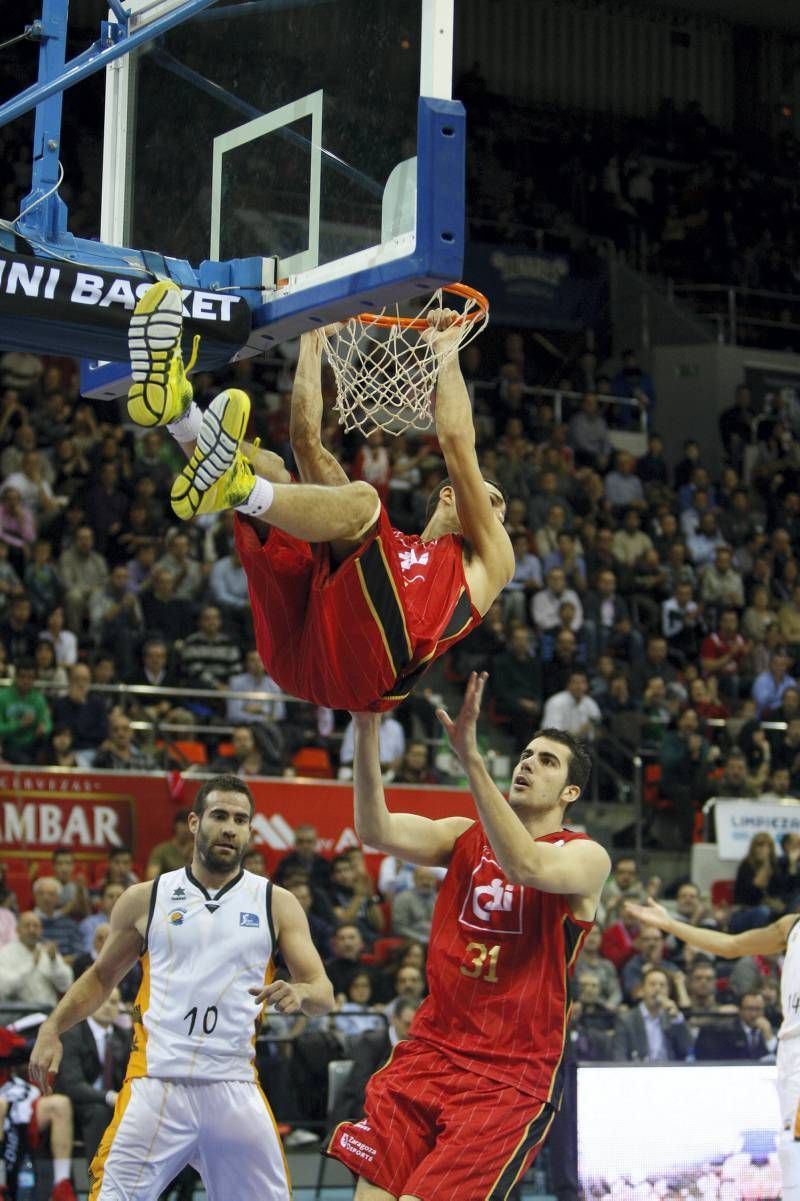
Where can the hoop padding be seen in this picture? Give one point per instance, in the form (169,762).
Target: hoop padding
(386,365)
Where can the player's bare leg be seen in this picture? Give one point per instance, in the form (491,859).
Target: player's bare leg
(54,1113)
(219,476)
(264,462)
(368,1192)
(221,472)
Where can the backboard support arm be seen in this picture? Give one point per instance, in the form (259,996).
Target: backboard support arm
(115,40)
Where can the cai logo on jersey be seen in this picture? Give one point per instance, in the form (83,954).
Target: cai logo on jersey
(491,902)
(409,559)
(175,917)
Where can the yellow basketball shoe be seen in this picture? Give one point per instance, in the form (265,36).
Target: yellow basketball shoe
(218,476)
(161,393)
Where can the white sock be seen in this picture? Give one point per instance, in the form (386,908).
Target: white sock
(259,499)
(61,1170)
(187,427)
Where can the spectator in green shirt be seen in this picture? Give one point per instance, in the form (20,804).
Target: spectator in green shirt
(24,716)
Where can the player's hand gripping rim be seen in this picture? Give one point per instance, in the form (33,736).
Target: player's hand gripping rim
(463,732)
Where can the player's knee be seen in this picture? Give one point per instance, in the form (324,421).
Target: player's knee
(60,1105)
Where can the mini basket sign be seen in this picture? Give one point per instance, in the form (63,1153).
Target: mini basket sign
(386,366)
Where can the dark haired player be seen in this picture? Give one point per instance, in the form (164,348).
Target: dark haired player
(206,935)
(464,1104)
(348,611)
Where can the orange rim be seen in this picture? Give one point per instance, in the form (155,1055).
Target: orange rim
(463,290)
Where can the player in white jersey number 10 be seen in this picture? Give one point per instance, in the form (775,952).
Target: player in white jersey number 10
(779,937)
(206,936)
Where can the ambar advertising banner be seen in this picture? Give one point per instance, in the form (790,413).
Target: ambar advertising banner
(92,812)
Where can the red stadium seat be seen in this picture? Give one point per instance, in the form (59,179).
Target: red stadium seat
(313,761)
(722,891)
(189,750)
(382,947)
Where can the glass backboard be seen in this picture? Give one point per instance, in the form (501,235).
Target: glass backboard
(282,129)
(302,156)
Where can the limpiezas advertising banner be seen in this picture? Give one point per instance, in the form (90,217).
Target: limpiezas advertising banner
(738,821)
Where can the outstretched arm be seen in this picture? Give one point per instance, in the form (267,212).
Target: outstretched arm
(767,940)
(409,836)
(315,464)
(456,433)
(578,869)
(87,994)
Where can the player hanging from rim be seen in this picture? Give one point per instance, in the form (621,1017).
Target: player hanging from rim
(206,935)
(780,937)
(464,1104)
(348,612)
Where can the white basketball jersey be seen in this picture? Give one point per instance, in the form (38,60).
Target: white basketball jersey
(193,1016)
(790,985)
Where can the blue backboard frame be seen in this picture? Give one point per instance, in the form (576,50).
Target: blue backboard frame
(276,313)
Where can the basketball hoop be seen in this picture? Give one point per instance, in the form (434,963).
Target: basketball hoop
(386,365)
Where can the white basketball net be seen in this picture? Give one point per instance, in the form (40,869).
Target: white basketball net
(386,374)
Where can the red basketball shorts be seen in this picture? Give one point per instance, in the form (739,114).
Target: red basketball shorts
(436,1132)
(336,638)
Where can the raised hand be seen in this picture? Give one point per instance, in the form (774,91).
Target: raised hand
(462,732)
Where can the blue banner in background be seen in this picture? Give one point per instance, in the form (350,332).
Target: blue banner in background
(539,288)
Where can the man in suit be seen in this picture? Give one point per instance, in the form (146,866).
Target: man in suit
(653,1031)
(748,1036)
(607,622)
(93,1069)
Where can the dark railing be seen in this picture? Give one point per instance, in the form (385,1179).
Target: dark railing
(485,388)
(773,316)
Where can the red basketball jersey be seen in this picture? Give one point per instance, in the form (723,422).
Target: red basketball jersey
(500,963)
(360,635)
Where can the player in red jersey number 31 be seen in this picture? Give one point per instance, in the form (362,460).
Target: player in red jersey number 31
(463,1105)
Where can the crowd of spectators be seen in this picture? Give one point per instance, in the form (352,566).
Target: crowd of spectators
(674,195)
(653,606)
(638,996)
(677,194)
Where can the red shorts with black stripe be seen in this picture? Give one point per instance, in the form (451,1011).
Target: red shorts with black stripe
(317,630)
(436,1132)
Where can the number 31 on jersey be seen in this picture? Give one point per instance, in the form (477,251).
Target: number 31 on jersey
(481,961)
